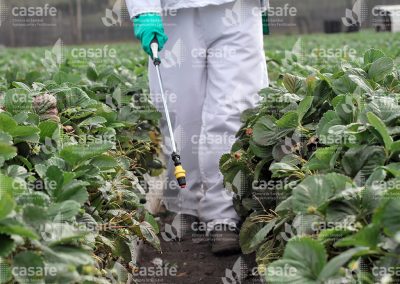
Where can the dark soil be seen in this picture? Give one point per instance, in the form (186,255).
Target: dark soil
(191,261)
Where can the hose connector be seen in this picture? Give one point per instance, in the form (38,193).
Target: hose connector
(154,50)
(180,173)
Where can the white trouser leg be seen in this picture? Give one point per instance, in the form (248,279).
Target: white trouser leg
(184,79)
(236,70)
(214,64)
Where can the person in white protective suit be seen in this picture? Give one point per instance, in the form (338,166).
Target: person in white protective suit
(213,67)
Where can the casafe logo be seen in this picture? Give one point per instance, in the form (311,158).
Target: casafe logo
(33,11)
(175,56)
(237,274)
(356,16)
(54,57)
(288,233)
(234,16)
(297,54)
(113,16)
(238,188)
(173,231)
(3,11)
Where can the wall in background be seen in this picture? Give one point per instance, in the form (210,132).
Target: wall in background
(41,22)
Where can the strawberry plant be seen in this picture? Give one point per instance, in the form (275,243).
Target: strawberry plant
(76,140)
(315,172)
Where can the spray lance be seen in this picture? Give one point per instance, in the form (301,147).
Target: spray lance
(180,173)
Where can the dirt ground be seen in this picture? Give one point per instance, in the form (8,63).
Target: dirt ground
(191,261)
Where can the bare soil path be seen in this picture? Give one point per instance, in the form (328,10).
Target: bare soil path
(188,261)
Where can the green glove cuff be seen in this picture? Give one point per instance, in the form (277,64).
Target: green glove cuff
(265,23)
(146,27)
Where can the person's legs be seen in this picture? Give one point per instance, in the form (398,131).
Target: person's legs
(236,72)
(184,79)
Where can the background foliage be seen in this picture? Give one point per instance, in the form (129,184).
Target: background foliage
(77,135)
(315,169)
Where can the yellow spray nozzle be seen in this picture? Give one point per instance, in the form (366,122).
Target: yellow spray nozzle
(180,173)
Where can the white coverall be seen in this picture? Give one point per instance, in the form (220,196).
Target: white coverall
(213,67)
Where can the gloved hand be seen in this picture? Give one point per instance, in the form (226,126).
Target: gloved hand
(147,26)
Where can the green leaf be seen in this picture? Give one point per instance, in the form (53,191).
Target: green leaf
(362,83)
(7,205)
(321,158)
(7,152)
(289,120)
(6,274)
(10,186)
(345,108)
(121,249)
(363,158)
(292,83)
(65,211)
(35,215)
(93,121)
(148,233)
(315,191)
(386,108)
(304,106)
(28,261)
(7,246)
(74,190)
(17,101)
(152,221)
(105,162)
(91,72)
(344,85)
(388,214)
(49,129)
(75,154)
(380,68)
(371,55)
(54,180)
(366,237)
(266,132)
(253,234)
(333,267)
(69,255)
(395,148)
(379,126)
(13,227)
(302,262)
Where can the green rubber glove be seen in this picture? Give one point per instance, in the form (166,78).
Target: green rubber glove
(265,23)
(146,27)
